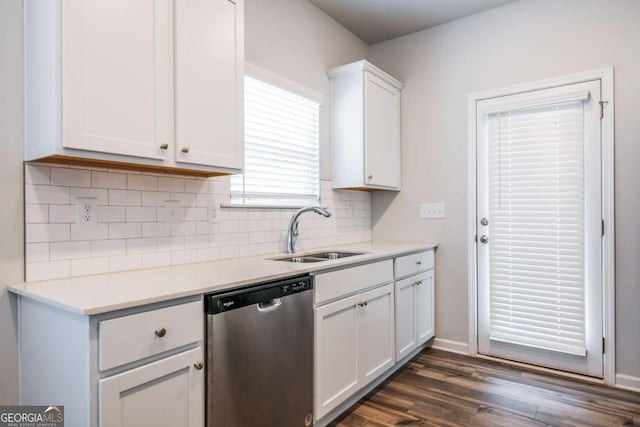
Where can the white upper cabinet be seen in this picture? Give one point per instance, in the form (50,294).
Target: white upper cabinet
(144,84)
(209,82)
(115,64)
(365,128)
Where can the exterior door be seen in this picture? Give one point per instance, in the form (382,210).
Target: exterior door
(539,219)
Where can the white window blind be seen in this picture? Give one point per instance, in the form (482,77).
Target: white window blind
(536,206)
(281,157)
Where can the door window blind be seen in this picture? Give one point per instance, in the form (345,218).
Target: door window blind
(281,160)
(536,206)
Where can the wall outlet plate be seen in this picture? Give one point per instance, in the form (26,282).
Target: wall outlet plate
(87,212)
(172,212)
(432,210)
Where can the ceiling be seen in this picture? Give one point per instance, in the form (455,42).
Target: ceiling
(378,20)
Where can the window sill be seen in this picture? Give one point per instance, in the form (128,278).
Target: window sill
(241,206)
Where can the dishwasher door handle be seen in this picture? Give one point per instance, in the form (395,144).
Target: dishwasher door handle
(274,304)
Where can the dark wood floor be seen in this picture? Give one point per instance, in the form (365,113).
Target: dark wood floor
(439,388)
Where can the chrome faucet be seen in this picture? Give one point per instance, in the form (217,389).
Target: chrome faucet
(292,236)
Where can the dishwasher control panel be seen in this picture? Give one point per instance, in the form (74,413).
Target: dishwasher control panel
(260,293)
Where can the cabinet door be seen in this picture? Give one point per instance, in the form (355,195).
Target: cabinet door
(336,371)
(168,392)
(405,317)
(209,77)
(425,313)
(382,133)
(116,78)
(376,342)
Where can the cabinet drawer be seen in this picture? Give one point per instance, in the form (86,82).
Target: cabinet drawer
(340,283)
(414,263)
(134,337)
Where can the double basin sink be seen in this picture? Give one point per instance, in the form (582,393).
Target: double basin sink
(319,256)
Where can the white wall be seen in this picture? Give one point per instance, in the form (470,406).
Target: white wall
(520,42)
(297,41)
(11,231)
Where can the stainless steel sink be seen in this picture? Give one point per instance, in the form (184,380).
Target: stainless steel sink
(318,256)
(301,259)
(334,254)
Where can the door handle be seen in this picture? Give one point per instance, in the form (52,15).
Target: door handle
(274,304)
(484,239)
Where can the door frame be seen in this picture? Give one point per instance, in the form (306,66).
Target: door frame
(606,76)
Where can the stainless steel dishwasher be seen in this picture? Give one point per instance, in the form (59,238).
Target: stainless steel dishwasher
(260,355)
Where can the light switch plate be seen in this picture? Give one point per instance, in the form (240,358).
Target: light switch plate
(432,210)
(172,212)
(213,208)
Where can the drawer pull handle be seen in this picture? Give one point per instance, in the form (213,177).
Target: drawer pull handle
(362,304)
(164,146)
(418,262)
(185,150)
(161,332)
(198,365)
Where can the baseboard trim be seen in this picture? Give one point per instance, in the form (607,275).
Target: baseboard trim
(628,382)
(452,346)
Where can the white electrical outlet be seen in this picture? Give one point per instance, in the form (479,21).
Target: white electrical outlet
(172,212)
(432,210)
(212,211)
(87,212)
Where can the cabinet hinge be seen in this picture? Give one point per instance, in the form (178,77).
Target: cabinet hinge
(602,227)
(602,345)
(602,108)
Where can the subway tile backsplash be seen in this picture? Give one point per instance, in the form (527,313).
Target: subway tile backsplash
(132,232)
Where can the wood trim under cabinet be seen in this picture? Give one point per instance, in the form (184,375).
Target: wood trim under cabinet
(138,167)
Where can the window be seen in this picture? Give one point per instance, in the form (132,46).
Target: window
(281,159)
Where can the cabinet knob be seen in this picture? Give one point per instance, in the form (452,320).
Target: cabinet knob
(418,262)
(185,150)
(370,176)
(484,240)
(198,365)
(164,146)
(419,283)
(161,332)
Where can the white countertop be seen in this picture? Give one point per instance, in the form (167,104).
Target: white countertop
(101,293)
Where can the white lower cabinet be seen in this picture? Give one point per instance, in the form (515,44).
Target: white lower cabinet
(405,317)
(354,345)
(375,333)
(137,367)
(336,343)
(425,313)
(165,393)
(414,312)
